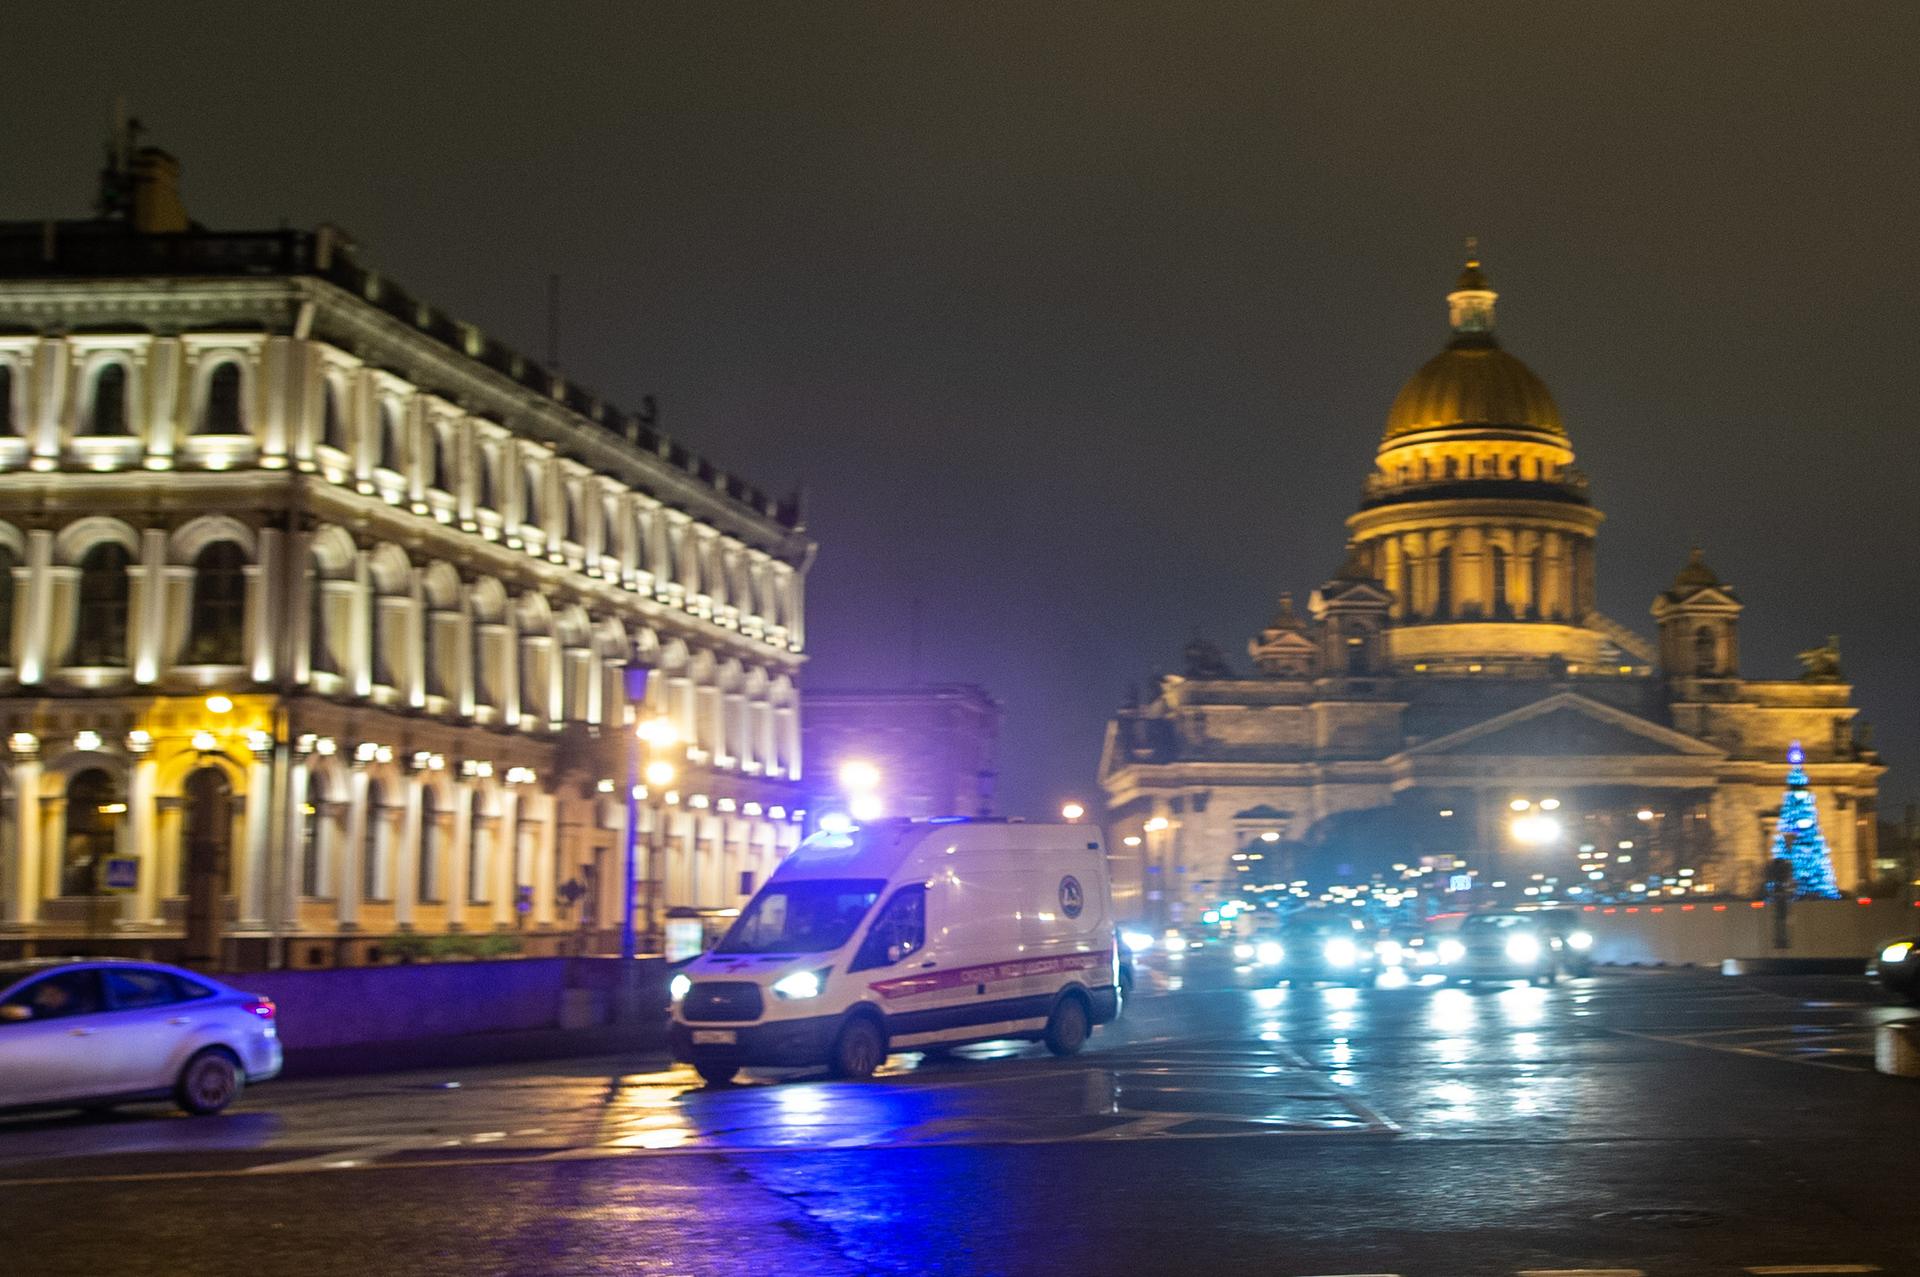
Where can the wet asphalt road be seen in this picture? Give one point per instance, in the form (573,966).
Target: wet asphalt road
(1659,1123)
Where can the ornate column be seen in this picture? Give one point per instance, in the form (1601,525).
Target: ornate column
(546,854)
(506,857)
(409,848)
(348,874)
(143,814)
(24,776)
(459,857)
(251,888)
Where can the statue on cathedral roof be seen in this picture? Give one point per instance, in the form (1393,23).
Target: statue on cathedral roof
(1204,660)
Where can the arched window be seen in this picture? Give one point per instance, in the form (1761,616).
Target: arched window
(571,509)
(488,496)
(435,660)
(8,424)
(221,415)
(95,808)
(441,474)
(1706,651)
(428,884)
(391,451)
(217,630)
(313,836)
(100,622)
(374,844)
(107,411)
(333,422)
(7,564)
(319,652)
(479,854)
(377,627)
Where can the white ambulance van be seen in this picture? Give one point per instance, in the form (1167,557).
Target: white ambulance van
(903,936)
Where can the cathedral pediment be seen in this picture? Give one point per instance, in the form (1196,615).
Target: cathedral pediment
(1562,726)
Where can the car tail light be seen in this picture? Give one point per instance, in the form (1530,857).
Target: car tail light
(264,1008)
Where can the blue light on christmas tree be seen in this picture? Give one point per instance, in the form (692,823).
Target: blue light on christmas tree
(1797,838)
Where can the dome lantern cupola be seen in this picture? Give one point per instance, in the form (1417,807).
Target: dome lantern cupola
(1470,304)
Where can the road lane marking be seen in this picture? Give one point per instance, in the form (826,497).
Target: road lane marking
(1580,1272)
(1810,1270)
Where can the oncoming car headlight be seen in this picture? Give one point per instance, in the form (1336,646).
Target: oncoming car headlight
(799,986)
(1523,948)
(1243,952)
(1391,952)
(1897,952)
(678,986)
(1269,953)
(1452,951)
(1341,952)
(1136,941)
(1580,940)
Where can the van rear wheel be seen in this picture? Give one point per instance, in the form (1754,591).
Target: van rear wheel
(716,1074)
(1067,1027)
(859,1050)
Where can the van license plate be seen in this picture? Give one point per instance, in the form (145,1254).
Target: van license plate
(715,1037)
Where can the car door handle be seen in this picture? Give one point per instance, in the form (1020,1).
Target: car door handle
(925,965)
(80,1033)
(180,1019)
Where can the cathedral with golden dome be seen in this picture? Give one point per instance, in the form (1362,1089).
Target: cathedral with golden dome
(1453,707)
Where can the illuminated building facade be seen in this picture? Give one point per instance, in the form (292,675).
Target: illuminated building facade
(319,608)
(1454,676)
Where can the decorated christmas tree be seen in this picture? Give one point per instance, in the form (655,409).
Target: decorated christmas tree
(1797,838)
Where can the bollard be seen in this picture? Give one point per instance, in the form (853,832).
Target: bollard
(1896,1048)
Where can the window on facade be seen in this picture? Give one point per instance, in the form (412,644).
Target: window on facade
(313,836)
(441,474)
(390,449)
(372,870)
(530,498)
(428,884)
(319,653)
(1498,558)
(377,627)
(1443,582)
(216,633)
(488,496)
(483,691)
(95,807)
(571,509)
(1705,651)
(107,411)
(333,422)
(8,424)
(220,415)
(100,624)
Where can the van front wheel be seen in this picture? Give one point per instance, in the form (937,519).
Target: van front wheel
(859,1050)
(1067,1027)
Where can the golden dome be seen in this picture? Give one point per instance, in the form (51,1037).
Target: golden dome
(1473,382)
(1473,385)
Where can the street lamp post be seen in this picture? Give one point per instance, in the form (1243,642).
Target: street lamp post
(652,736)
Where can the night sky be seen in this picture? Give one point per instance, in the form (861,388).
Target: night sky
(1080,322)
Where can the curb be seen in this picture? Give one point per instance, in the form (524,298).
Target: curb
(1793,966)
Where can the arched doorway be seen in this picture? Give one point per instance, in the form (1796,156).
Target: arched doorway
(206,859)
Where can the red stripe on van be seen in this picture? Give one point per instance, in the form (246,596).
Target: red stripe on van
(990,972)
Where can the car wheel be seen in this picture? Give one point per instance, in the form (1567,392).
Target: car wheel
(859,1050)
(210,1081)
(716,1074)
(1067,1027)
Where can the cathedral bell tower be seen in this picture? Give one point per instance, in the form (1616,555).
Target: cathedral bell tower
(1474,519)
(1699,619)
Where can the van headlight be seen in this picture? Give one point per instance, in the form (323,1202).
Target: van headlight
(799,986)
(1523,948)
(1136,941)
(1341,952)
(1391,952)
(1580,940)
(1243,952)
(678,987)
(1452,951)
(1896,952)
(1269,953)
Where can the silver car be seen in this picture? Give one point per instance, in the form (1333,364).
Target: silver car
(83,1033)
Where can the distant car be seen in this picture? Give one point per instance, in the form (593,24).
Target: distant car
(1324,944)
(1576,942)
(1898,968)
(81,1033)
(1502,946)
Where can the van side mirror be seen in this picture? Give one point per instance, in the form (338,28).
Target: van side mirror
(895,952)
(14,1011)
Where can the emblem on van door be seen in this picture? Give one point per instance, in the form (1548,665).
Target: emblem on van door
(1072,900)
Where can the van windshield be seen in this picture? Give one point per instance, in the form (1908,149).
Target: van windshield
(805,916)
